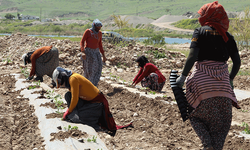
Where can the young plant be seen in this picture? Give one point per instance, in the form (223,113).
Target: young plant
(32,87)
(8,60)
(152,92)
(24,72)
(38,83)
(242,110)
(56,100)
(93,139)
(70,128)
(246,130)
(117,79)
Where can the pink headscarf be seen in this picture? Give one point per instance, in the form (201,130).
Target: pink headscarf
(213,14)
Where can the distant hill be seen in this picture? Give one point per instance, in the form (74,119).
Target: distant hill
(102,9)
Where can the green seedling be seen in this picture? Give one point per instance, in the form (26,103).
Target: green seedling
(32,87)
(93,139)
(24,72)
(164,96)
(56,100)
(243,110)
(117,79)
(152,92)
(38,83)
(8,60)
(70,128)
(75,127)
(58,104)
(50,94)
(246,130)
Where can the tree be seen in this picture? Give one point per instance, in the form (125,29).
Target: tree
(240,29)
(119,22)
(9,16)
(18,16)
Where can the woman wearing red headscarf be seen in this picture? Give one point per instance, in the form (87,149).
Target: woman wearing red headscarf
(209,88)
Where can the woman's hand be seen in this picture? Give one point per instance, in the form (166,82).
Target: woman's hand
(65,114)
(133,84)
(83,56)
(30,78)
(104,58)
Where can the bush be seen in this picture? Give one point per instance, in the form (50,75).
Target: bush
(240,29)
(9,16)
(157,39)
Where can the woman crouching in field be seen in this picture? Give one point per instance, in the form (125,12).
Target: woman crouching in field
(149,75)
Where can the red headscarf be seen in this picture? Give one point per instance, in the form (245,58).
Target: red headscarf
(213,14)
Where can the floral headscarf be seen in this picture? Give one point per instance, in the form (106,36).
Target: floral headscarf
(213,14)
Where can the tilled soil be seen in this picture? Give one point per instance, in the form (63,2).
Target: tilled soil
(156,125)
(18,123)
(74,133)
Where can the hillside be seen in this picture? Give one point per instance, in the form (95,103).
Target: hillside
(102,9)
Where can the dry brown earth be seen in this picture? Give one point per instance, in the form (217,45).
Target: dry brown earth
(157,125)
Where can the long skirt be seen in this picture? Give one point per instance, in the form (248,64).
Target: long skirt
(85,112)
(151,82)
(47,63)
(92,65)
(211,121)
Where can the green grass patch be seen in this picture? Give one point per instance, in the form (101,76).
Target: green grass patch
(77,9)
(187,24)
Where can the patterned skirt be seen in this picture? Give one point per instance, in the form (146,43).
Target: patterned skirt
(47,63)
(92,65)
(211,121)
(151,82)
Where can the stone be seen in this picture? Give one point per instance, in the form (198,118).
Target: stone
(179,64)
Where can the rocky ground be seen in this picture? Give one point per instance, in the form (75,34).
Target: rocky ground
(157,125)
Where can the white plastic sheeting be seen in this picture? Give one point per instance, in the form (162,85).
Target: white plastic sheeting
(48,126)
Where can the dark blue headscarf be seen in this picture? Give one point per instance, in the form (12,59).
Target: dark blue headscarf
(96,23)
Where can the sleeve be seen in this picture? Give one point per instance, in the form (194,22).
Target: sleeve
(234,54)
(195,38)
(33,59)
(192,57)
(193,54)
(138,74)
(84,38)
(143,74)
(100,44)
(74,88)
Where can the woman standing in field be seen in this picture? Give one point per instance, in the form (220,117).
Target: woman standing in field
(149,75)
(91,46)
(208,88)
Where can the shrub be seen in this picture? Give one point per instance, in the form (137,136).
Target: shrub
(240,29)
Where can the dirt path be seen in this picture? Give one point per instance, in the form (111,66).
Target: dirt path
(165,21)
(169,26)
